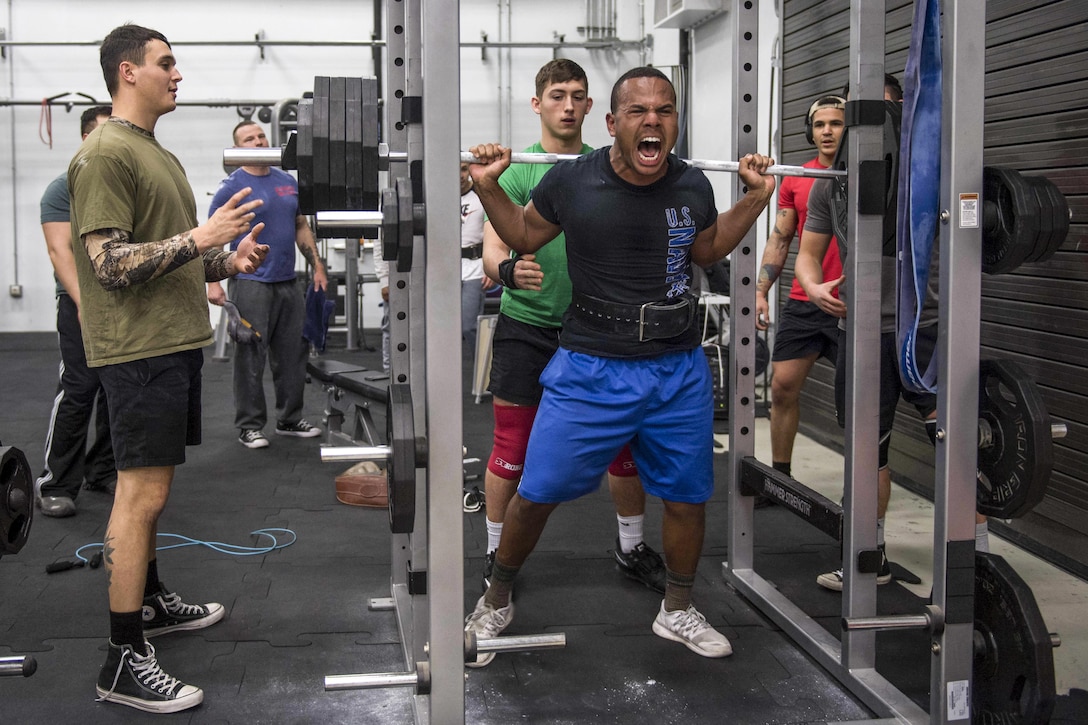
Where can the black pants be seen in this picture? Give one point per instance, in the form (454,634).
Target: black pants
(79,393)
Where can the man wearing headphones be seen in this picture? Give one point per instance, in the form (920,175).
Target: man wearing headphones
(805,332)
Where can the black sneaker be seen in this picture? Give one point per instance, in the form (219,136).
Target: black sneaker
(643,565)
(299,429)
(137,680)
(251,438)
(473,500)
(833,579)
(165,612)
(489,564)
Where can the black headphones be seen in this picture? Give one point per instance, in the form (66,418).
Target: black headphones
(825,102)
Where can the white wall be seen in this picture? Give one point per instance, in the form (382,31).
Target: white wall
(496,87)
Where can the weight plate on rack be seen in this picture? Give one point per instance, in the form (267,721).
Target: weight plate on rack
(1014,467)
(401,436)
(1014,656)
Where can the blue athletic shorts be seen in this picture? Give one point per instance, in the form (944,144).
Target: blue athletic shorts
(593,405)
(154,408)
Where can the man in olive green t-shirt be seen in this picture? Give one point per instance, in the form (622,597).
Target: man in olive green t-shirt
(142,262)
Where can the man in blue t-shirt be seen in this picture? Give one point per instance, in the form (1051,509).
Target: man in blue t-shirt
(269,299)
(69,465)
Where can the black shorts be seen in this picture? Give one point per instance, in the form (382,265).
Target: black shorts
(154,408)
(519,353)
(804,329)
(891,384)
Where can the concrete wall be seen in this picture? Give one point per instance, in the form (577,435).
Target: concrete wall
(496,87)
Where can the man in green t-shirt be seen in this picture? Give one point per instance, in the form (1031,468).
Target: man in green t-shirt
(537,293)
(142,261)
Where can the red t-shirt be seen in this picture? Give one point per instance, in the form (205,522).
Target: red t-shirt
(793,194)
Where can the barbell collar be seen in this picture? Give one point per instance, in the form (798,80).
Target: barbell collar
(19,666)
(704,164)
(385,156)
(336,454)
(253,157)
(349,219)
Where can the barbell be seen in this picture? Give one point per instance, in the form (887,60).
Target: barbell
(283,157)
(704,164)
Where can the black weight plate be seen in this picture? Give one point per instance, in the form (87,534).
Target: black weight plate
(1014,657)
(1044,217)
(338,178)
(353,126)
(1055,206)
(16,500)
(1013,472)
(390,226)
(405,225)
(322,88)
(371,137)
(304,155)
(400,432)
(1011,239)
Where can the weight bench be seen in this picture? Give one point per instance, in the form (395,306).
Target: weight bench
(321,372)
(359,391)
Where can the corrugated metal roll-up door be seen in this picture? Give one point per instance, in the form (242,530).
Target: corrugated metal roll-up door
(1036,121)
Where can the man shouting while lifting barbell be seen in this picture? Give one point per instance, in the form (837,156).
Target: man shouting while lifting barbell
(629,366)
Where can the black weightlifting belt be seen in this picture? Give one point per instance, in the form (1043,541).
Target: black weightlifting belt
(650,321)
(474,252)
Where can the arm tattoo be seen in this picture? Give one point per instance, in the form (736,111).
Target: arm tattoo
(218,264)
(118,262)
(768,273)
(310,254)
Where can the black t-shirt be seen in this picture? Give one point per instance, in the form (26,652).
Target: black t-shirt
(626,243)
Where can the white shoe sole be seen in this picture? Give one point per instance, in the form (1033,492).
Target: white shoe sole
(155,706)
(664,632)
(214,615)
(314,433)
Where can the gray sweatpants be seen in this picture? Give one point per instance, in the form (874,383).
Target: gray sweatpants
(277,311)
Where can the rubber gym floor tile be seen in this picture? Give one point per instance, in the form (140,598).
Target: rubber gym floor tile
(303,601)
(626,675)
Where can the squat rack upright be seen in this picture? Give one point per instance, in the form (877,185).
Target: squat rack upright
(853,659)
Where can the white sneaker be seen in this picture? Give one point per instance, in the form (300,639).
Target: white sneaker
(690,628)
(488,623)
(833,579)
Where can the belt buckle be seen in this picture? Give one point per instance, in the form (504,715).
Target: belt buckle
(642,321)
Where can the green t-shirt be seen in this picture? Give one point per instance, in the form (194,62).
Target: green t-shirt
(121,178)
(546,307)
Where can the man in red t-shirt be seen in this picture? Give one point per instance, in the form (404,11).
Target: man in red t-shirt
(805,332)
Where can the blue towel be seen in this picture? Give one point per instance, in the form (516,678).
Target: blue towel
(319,311)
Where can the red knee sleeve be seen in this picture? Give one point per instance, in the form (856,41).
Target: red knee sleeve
(624,464)
(512,426)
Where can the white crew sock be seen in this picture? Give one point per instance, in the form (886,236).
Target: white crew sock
(494,533)
(880,532)
(630,532)
(982,537)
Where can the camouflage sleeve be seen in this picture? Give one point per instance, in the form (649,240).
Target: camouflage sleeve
(218,265)
(118,262)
